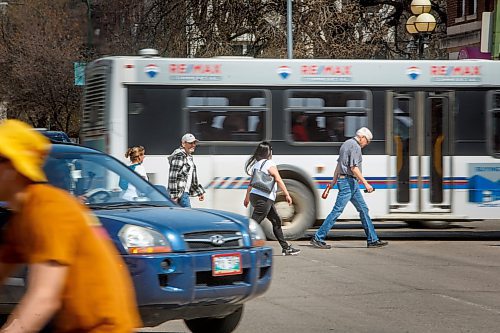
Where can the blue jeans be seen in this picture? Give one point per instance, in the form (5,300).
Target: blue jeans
(348,191)
(184,200)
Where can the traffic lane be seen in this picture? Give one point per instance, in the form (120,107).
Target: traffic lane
(408,286)
(423,286)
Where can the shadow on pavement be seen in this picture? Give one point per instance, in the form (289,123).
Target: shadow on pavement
(400,231)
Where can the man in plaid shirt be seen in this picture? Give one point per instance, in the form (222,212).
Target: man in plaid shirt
(182,178)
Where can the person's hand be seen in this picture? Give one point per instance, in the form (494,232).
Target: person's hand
(288,199)
(369,188)
(201,197)
(13,326)
(246,202)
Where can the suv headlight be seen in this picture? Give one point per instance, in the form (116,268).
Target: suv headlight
(139,240)
(257,234)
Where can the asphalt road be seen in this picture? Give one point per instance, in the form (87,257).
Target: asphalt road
(424,281)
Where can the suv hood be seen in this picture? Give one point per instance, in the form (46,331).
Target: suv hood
(177,219)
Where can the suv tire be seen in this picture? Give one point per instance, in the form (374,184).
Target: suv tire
(225,324)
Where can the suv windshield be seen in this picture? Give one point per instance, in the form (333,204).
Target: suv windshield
(101,181)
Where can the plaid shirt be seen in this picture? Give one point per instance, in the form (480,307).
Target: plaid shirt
(178,175)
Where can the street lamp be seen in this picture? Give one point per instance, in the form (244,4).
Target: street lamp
(420,25)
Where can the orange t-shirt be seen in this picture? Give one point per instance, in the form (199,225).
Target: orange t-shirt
(98,295)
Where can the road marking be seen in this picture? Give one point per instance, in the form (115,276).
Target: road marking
(484,307)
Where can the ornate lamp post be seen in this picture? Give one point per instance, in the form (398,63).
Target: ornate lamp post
(420,25)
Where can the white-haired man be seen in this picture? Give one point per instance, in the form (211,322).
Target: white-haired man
(347,174)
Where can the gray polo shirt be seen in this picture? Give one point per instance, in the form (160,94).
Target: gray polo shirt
(349,156)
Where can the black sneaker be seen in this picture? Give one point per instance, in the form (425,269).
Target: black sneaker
(290,251)
(319,244)
(378,243)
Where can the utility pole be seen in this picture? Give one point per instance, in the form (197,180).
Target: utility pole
(289,29)
(90,30)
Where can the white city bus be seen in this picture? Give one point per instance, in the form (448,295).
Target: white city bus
(436,124)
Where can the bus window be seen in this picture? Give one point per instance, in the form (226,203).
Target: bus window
(402,141)
(227,115)
(207,101)
(437,148)
(495,125)
(496,133)
(326,115)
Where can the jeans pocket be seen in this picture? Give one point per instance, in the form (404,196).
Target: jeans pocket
(342,183)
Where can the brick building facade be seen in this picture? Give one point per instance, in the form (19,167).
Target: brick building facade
(464,26)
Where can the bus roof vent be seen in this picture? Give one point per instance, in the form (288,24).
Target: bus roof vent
(148,53)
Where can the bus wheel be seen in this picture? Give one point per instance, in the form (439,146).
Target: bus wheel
(298,217)
(427,224)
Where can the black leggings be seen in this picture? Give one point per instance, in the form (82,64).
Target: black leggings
(264,207)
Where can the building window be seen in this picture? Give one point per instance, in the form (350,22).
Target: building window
(489,6)
(460,8)
(471,7)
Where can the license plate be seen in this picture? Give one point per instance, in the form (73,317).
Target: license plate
(226,264)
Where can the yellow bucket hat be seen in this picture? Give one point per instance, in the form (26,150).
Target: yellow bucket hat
(25,148)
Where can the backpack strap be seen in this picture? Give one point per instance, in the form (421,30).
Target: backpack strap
(263,164)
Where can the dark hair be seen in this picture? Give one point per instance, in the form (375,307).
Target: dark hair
(263,151)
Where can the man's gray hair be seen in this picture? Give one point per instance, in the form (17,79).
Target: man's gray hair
(363,131)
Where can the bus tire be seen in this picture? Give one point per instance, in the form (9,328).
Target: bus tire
(295,219)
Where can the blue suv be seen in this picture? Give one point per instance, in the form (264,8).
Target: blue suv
(198,265)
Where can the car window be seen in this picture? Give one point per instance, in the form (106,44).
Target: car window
(97,179)
(55,135)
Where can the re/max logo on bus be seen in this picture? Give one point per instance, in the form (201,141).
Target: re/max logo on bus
(195,69)
(325,70)
(456,73)
(326,73)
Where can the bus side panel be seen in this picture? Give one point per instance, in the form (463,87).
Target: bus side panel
(476,193)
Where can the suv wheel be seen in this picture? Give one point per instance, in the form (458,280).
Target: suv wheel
(225,324)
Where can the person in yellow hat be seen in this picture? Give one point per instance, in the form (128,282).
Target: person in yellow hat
(76,279)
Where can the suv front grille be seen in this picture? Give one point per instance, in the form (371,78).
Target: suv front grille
(214,240)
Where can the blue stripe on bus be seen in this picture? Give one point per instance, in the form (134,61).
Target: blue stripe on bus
(235,183)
